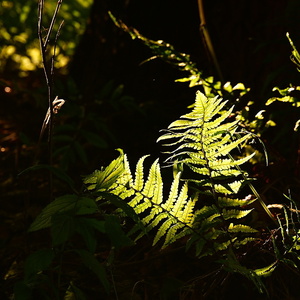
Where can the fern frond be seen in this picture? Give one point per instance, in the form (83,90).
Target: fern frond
(203,141)
(104,179)
(235,213)
(268,270)
(139,174)
(241,228)
(179,208)
(239,243)
(229,188)
(227,202)
(172,218)
(209,222)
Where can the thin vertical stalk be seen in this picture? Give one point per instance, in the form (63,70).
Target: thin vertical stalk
(207,40)
(58,5)
(48,72)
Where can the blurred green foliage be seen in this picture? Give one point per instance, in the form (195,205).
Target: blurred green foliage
(18,32)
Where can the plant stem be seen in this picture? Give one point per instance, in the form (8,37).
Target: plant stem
(48,72)
(207,40)
(256,194)
(59,2)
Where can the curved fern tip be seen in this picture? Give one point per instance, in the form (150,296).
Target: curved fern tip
(120,151)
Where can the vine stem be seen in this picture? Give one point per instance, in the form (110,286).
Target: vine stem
(207,40)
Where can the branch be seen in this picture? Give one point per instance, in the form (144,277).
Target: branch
(59,2)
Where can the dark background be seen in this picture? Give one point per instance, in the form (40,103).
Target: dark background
(249,39)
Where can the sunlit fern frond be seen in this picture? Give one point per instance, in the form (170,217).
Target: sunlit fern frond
(203,142)
(219,227)
(172,218)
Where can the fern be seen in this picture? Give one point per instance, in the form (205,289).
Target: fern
(203,206)
(203,144)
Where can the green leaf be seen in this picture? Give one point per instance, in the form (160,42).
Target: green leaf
(79,205)
(233,265)
(98,225)
(86,228)
(266,271)
(38,261)
(74,293)
(296,56)
(120,203)
(62,227)
(86,206)
(239,243)
(93,264)
(226,202)
(117,92)
(241,228)
(102,180)
(290,262)
(94,139)
(115,232)
(235,214)
(59,173)
(80,152)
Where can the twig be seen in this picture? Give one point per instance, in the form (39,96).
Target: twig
(207,40)
(42,47)
(54,50)
(59,2)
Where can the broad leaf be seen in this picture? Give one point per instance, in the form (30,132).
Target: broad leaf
(78,205)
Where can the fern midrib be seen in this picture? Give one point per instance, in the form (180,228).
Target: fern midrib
(213,189)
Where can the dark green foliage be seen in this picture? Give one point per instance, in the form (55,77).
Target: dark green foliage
(93,264)
(68,217)
(68,203)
